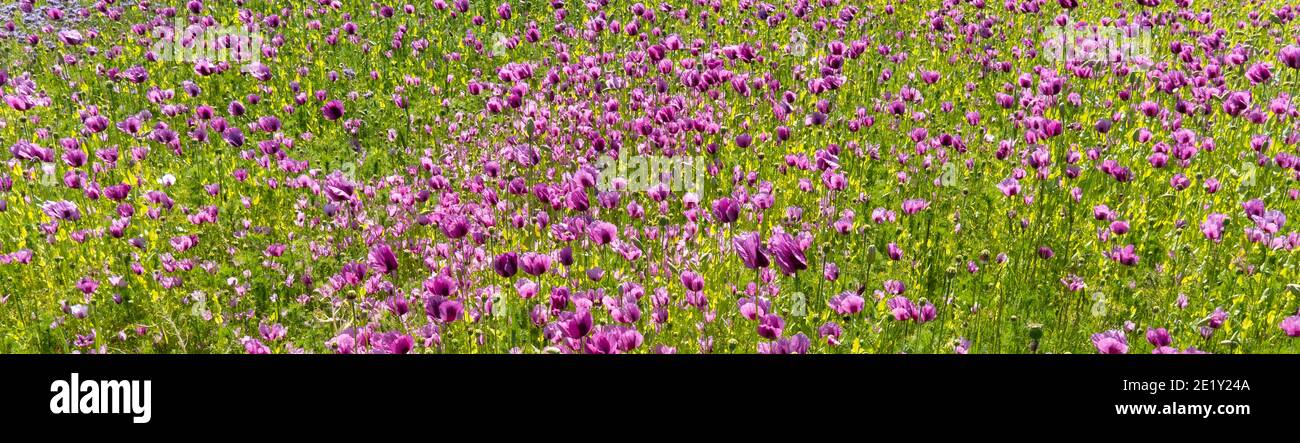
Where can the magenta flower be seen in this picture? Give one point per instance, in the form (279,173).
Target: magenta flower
(796,344)
(271,332)
(770,326)
(726,210)
(601,232)
(535,264)
(62,210)
(1159,337)
(575,324)
(788,252)
(1290,56)
(1125,255)
(333,110)
(1212,227)
(1291,326)
(506,264)
(1110,342)
(382,259)
(751,250)
(254,346)
(915,205)
(847,303)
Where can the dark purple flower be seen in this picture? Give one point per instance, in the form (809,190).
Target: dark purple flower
(1159,337)
(744,140)
(450,310)
(1236,103)
(788,253)
(233,136)
(117,192)
(576,324)
(1290,56)
(751,250)
(506,264)
(726,210)
(382,259)
(332,110)
(454,226)
(770,326)
(692,281)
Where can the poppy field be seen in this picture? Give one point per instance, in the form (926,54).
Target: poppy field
(686,176)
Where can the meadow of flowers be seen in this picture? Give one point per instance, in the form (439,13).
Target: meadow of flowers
(690,176)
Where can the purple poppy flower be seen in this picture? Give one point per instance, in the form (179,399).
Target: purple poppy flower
(751,250)
(831,331)
(454,226)
(565,256)
(338,188)
(1110,342)
(1009,187)
(62,210)
(796,344)
(440,285)
(271,332)
(601,232)
(333,110)
(71,37)
(87,285)
(847,303)
(1290,56)
(915,205)
(382,259)
(96,124)
(117,192)
(788,252)
(692,281)
(575,325)
(401,344)
(1259,73)
(1217,318)
(1291,326)
(894,251)
(726,210)
(233,136)
(450,310)
(506,264)
(1158,337)
(1236,103)
(254,346)
(535,264)
(770,326)
(1125,255)
(1212,227)
(744,140)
